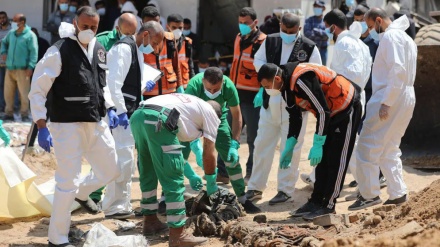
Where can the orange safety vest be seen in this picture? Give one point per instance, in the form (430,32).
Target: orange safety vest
(243,72)
(183,61)
(169,78)
(338,91)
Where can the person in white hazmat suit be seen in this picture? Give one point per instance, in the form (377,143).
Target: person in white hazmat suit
(280,48)
(388,112)
(351,56)
(73,69)
(124,62)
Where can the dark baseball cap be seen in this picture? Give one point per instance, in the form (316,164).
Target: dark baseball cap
(319,3)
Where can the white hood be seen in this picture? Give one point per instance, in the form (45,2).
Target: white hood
(355,30)
(129,7)
(401,23)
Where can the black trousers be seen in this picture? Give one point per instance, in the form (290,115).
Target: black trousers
(337,150)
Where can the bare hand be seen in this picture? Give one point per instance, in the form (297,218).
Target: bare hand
(383,112)
(28,73)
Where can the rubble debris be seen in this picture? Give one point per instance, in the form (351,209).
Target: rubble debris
(385,208)
(328,220)
(260,218)
(353,217)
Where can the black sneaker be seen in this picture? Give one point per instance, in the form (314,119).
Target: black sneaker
(305,209)
(353,184)
(8,118)
(396,201)
(162,210)
(253,195)
(250,208)
(61,245)
(383,182)
(121,215)
(88,205)
(319,212)
(361,203)
(279,198)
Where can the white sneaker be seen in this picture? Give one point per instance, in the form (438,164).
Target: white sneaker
(306,179)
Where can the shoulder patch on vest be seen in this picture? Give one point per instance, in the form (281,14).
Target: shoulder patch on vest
(101,55)
(302,56)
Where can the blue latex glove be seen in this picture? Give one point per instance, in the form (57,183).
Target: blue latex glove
(196,147)
(150,85)
(233,153)
(123,120)
(113,119)
(194,180)
(258,100)
(180,90)
(211,183)
(45,139)
(315,155)
(4,135)
(286,156)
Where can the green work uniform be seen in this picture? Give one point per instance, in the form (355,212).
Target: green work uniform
(106,39)
(160,159)
(227,98)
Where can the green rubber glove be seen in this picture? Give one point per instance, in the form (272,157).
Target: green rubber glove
(211,183)
(180,89)
(233,157)
(195,181)
(4,135)
(197,149)
(315,155)
(286,155)
(258,100)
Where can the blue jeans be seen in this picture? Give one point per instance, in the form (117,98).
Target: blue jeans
(251,116)
(323,53)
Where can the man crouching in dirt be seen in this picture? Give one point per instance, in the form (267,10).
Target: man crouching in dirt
(72,69)
(159,126)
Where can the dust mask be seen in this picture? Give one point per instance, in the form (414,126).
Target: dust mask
(272,91)
(85,36)
(177,33)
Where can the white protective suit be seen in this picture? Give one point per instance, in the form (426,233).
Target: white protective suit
(352,59)
(118,193)
(393,77)
(273,124)
(72,141)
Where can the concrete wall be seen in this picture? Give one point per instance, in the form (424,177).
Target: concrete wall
(186,8)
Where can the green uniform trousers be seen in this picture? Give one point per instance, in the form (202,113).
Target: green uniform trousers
(160,158)
(222,144)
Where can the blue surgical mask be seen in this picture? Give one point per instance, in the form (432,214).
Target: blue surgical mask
(64,7)
(349,3)
(364,26)
(14,26)
(186,32)
(317,11)
(374,35)
(329,33)
(146,49)
(213,95)
(287,38)
(244,29)
(122,36)
(72,9)
(201,70)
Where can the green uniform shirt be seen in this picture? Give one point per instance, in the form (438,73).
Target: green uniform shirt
(228,97)
(107,38)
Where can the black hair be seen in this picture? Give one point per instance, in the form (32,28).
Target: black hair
(213,75)
(87,10)
(216,106)
(150,11)
(22,18)
(100,2)
(187,21)
(268,71)
(373,13)
(361,9)
(248,11)
(174,18)
(337,18)
(290,20)
(33,29)
(3,13)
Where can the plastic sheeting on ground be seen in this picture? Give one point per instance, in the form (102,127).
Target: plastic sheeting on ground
(101,236)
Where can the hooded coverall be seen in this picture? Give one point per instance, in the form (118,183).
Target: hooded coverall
(394,71)
(161,156)
(228,97)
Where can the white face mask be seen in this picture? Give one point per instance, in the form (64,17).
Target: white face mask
(85,36)
(213,95)
(177,33)
(14,26)
(272,91)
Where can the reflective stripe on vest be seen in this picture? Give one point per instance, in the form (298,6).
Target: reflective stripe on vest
(338,91)
(169,77)
(183,62)
(243,72)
